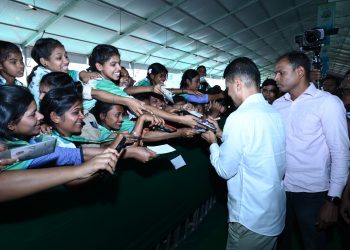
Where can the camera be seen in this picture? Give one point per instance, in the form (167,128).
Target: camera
(314,38)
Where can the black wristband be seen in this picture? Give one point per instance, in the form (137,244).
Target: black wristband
(334,200)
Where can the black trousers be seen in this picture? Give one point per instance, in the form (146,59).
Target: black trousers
(302,211)
(344,231)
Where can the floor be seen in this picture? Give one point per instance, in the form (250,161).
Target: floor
(212,232)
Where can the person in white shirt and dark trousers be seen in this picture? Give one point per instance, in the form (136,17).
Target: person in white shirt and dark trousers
(317,152)
(252,160)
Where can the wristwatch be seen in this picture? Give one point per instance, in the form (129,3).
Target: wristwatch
(334,200)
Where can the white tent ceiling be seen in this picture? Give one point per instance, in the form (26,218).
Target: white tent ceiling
(180,34)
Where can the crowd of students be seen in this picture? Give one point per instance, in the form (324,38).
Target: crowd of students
(90,112)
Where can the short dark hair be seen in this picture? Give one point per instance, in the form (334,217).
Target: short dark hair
(216,89)
(297,59)
(179,98)
(56,80)
(141,96)
(14,102)
(201,66)
(188,75)
(333,78)
(268,82)
(347,73)
(42,48)
(244,68)
(101,54)
(6,48)
(58,100)
(101,108)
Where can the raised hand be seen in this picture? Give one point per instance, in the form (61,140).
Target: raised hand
(136,106)
(187,132)
(106,161)
(141,154)
(189,120)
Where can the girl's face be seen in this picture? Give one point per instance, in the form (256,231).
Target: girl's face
(71,121)
(124,72)
(124,82)
(110,69)
(156,102)
(159,78)
(199,108)
(58,61)
(194,83)
(114,118)
(13,66)
(29,124)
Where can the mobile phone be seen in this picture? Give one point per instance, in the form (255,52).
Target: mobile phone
(167,128)
(191,112)
(207,125)
(167,93)
(200,130)
(121,145)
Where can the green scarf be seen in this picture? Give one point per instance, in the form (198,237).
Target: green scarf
(81,140)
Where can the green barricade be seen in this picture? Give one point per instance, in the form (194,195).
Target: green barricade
(135,209)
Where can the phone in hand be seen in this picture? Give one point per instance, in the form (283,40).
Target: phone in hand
(191,112)
(207,125)
(200,130)
(166,128)
(167,93)
(121,145)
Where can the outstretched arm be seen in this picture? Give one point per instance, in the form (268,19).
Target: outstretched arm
(144,89)
(134,105)
(15,184)
(187,120)
(152,136)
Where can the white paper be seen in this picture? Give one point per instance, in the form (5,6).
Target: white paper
(178,162)
(162,149)
(131,115)
(31,151)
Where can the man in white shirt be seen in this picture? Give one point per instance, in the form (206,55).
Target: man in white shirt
(317,152)
(252,160)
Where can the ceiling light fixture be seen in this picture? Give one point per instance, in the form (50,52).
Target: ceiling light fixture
(196,43)
(33,7)
(166,39)
(120,23)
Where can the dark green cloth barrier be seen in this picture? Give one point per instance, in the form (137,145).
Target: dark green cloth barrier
(135,209)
